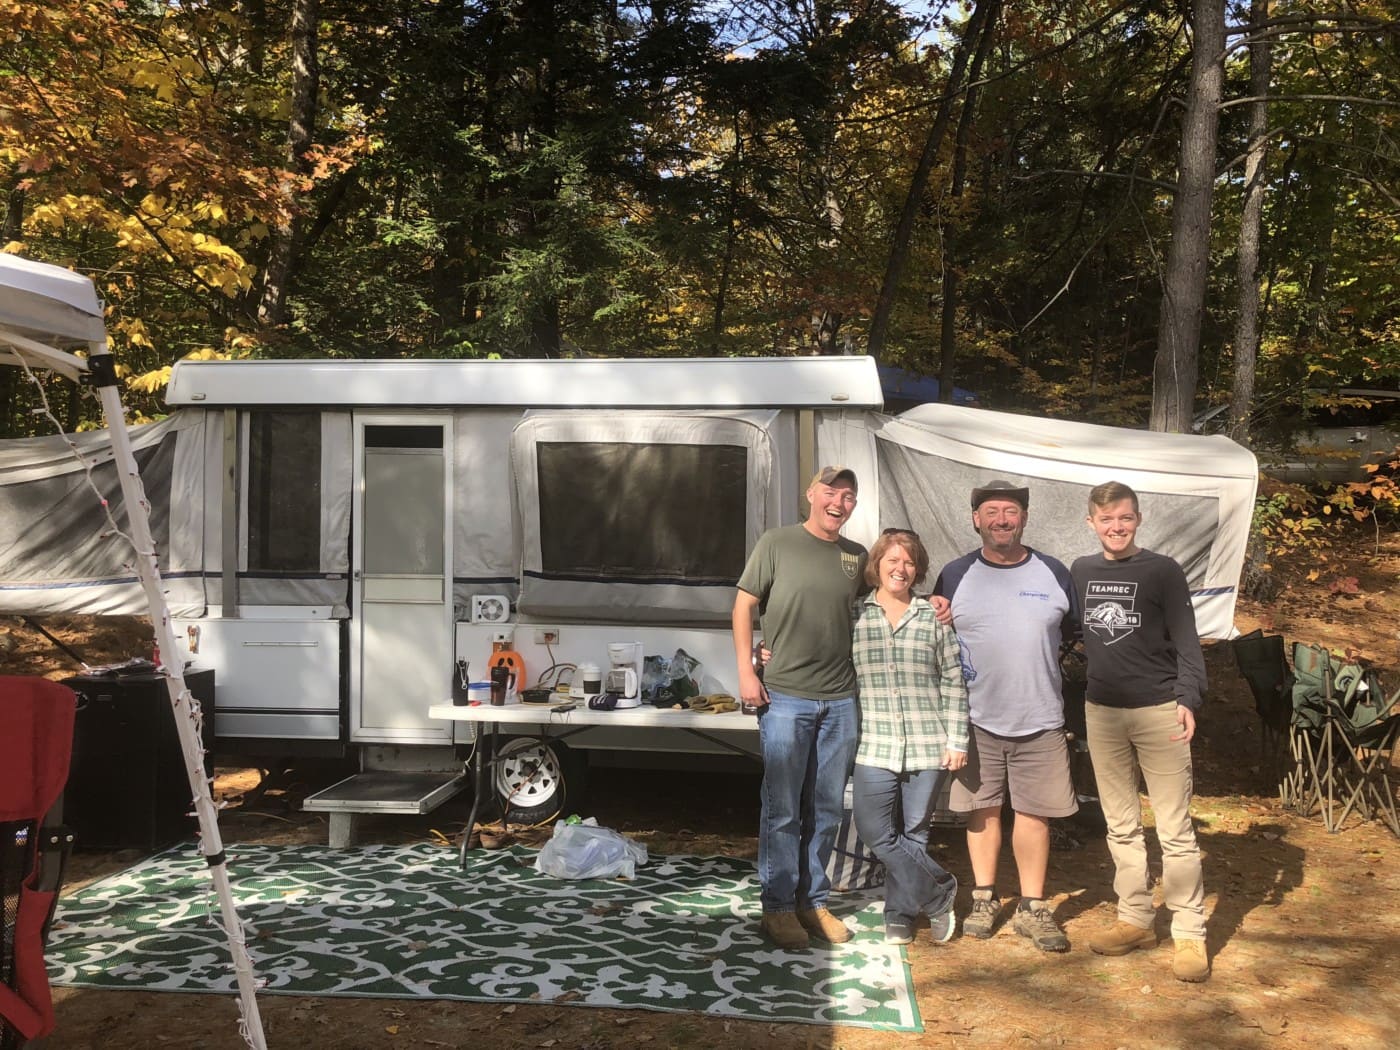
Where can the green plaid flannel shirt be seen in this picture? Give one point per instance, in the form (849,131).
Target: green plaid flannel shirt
(913,702)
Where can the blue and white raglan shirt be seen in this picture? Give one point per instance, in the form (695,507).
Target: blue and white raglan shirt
(1010,621)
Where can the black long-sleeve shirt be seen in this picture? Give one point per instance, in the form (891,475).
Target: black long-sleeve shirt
(1139,631)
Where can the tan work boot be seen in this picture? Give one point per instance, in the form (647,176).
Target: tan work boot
(1121,938)
(783,929)
(1190,963)
(824,926)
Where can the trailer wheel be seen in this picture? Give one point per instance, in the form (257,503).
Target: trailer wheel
(536,779)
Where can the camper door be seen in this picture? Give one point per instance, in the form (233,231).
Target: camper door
(401,633)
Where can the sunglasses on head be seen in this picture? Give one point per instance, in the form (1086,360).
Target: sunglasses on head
(895,531)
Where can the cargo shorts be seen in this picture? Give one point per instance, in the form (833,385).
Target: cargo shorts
(1033,769)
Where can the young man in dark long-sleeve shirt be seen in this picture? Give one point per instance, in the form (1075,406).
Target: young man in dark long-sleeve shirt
(1146,681)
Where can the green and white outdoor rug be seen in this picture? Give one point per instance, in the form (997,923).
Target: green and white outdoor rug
(405,922)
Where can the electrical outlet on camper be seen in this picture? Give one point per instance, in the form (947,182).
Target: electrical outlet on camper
(546,636)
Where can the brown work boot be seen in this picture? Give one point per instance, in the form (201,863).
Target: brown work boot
(824,926)
(1121,938)
(783,929)
(1190,963)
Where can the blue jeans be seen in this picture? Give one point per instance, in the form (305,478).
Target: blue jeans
(808,747)
(893,812)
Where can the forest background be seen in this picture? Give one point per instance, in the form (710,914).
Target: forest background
(1093,209)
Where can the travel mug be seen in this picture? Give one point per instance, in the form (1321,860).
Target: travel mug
(502,679)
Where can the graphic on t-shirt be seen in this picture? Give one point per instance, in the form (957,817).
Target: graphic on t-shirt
(850,564)
(1108,609)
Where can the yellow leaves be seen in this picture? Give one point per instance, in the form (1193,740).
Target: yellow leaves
(156,77)
(150,382)
(133,331)
(167,77)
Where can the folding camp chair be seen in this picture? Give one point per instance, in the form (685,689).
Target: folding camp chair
(36,743)
(1369,724)
(1263,664)
(1308,783)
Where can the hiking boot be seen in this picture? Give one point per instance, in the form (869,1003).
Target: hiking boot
(824,926)
(1121,938)
(783,929)
(1190,963)
(981,922)
(942,927)
(897,931)
(1033,920)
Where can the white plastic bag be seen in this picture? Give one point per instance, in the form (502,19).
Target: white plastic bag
(586,851)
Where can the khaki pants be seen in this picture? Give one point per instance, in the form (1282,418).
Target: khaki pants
(1123,741)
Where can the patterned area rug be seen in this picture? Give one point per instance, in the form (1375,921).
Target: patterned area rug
(405,922)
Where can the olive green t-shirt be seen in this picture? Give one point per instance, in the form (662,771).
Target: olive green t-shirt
(806,589)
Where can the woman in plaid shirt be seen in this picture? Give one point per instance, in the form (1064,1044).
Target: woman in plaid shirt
(913,732)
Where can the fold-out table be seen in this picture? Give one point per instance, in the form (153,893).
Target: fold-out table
(560,725)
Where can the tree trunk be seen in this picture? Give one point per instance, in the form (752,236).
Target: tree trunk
(1247,324)
(904,231)
(272,310)
(12,229)
(952,260)
(1188,259)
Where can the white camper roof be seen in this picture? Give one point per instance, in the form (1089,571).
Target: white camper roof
(738,382)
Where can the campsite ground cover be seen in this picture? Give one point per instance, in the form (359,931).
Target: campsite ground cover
(1304,929)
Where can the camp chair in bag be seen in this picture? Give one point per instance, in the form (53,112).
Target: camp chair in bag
(1369,724)
(1308,783)
(36,743)
(1263,664)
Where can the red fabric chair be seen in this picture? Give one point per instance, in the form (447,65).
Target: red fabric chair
(36,744)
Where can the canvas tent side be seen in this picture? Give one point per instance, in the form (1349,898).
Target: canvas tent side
(45,311)
(1197,493)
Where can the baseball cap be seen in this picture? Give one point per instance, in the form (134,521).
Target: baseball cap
(1001,490)
(831,475)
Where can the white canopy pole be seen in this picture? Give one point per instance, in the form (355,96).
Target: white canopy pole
(188,717)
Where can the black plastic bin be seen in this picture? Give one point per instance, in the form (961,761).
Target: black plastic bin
(127,786)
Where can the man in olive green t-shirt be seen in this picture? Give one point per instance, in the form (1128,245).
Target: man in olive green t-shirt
(802,581)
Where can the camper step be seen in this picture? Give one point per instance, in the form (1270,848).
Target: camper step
(381,791)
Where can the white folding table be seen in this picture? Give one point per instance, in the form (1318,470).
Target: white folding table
(559,725)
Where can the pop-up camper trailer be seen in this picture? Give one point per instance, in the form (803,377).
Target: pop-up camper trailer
(339,535)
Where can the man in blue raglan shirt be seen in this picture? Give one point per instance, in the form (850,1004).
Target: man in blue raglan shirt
(1011,607)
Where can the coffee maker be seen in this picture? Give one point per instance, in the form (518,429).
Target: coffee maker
(624,674)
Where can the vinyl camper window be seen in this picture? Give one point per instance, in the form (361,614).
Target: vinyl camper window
(626,511)
(284,492)
(638,516)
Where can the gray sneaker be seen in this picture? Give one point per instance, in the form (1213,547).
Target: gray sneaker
(1033,920)
(897,931)
(981,922)
(942,927)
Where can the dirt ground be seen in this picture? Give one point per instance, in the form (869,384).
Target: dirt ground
(1304,925)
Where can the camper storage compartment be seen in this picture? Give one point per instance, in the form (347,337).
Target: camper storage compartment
(279,679)
(127,785)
